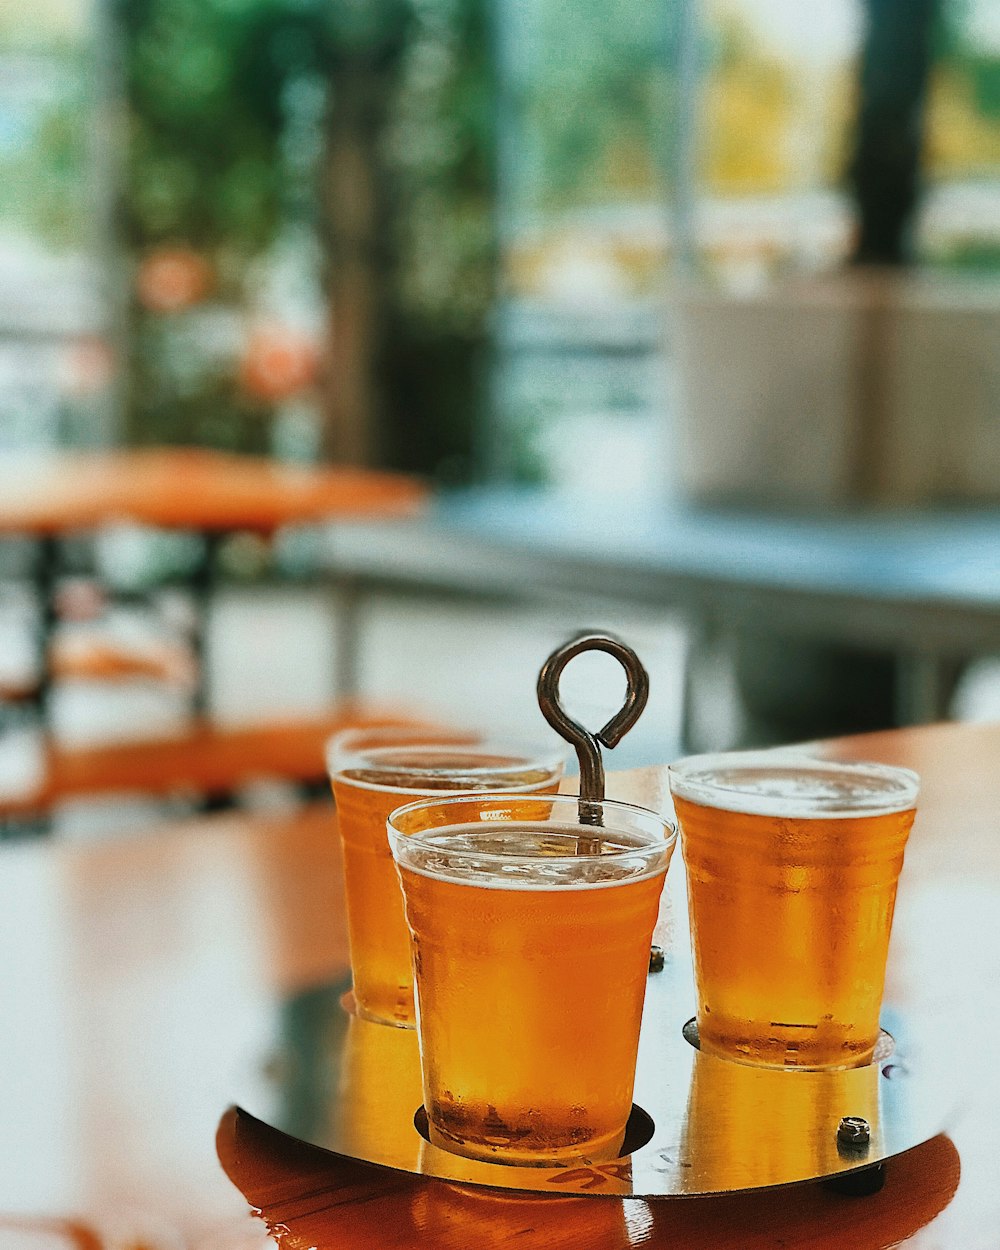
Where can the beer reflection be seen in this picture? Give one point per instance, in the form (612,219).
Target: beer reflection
(341,1078)
(378,1093)
(508,1218)
(752,1126)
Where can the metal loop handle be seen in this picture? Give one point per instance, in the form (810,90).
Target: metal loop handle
(586,743)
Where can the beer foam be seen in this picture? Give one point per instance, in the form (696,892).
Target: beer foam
(414,771)
(796,788)
(528,855)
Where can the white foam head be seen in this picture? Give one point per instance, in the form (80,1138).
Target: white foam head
(526,842)
(793,784)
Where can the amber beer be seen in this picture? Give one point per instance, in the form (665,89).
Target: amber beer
(374,771)
(792,866)
(531,945)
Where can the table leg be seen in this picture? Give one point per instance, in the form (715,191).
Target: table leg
(203,580)
(45,576)
(348,615)
(32,713)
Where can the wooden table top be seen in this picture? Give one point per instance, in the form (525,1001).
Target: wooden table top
(189,488)
(147,984)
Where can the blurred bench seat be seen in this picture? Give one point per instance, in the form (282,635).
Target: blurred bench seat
(209,761)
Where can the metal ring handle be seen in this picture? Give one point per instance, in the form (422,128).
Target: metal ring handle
(586,743)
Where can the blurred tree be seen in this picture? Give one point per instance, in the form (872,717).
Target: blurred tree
(46,102)
(397,186)
(43,187)
(366,45)
(204,84)
(886,168)
(409,171)
(590,87)
(442,142)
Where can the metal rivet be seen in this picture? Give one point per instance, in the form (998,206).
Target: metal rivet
(854,1130)
(656,959)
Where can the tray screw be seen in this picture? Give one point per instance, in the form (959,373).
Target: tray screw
(657,959)
(854,1130)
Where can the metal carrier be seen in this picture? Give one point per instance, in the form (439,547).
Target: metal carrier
(699,1124)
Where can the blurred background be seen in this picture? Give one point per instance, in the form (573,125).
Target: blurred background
(744,253)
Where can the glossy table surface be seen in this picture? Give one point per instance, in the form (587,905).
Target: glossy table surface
(147,984)
(926,580)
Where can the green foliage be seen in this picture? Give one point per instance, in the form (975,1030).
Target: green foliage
(203,82)
(439,155)
(440,150)
(975,256)
(367,30)
(591,84)
(209,89)
(955,44)
(45,180)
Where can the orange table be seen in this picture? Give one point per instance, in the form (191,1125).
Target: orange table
(53,493)
(49,495)
(147,984)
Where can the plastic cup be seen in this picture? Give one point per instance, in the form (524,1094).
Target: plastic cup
(531,940)
(375,770)
(792,864)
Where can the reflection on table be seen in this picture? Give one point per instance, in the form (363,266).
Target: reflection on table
(318,1200)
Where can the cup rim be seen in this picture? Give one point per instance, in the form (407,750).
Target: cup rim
(662,845)
(341,758)
(691,778)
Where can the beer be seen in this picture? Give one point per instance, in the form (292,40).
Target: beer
(792,871)
(374,771)
(531,938)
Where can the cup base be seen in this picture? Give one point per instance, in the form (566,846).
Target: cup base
(884,1047)
(638,1132)
(602,1150)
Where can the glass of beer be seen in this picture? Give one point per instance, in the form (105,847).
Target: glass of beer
(531,937)
(374,770)
(792,864)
